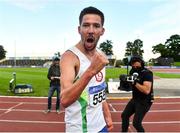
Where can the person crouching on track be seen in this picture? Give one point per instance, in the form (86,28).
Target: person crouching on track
(142,95)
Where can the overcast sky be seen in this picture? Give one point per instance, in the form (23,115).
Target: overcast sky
(43,27)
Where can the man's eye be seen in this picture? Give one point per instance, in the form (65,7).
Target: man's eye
(85,25)
(97,26)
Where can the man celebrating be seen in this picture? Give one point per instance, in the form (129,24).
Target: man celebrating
(83,78)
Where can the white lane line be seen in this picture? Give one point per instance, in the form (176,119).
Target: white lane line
(25,110)
(124,103)
(40,122)
(10,109)
(60,122)
(114,110)
(159,111)
(25,102)
(154,111)
(155,122)
(130,129)
(24,97)
(167,103)
(163,103)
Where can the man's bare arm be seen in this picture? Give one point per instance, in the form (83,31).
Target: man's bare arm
(70,90)
(107,116)
(145,88)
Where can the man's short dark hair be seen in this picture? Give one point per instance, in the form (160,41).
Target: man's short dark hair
(91,10)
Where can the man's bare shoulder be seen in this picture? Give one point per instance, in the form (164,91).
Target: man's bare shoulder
(69,57)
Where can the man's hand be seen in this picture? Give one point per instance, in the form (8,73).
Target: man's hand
(107,116)
(109,124)
(98,62)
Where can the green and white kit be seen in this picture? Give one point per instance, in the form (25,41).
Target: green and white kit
(86,114)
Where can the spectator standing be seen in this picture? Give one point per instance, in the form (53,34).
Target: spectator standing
(54,77)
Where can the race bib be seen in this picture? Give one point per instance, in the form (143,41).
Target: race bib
(97,94)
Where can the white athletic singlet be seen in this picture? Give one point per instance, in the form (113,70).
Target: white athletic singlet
(86,114)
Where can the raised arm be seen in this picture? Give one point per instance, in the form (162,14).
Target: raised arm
(69,64)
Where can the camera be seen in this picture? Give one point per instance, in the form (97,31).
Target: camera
(126,81)
(128,78)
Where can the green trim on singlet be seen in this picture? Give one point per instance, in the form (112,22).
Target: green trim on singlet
(83,102)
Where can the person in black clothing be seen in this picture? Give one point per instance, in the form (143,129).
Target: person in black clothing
(142,95)
(54,77)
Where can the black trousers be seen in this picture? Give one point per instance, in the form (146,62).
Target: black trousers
(137,107)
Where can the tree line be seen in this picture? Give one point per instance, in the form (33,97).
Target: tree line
(169,49)
(2,52)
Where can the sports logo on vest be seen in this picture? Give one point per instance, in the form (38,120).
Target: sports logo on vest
(99,77)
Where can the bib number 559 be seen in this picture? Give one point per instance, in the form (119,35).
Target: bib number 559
(99,97)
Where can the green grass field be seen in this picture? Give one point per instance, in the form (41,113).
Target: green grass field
(176,63)
(37,77)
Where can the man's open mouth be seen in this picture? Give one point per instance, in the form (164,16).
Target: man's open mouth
(90,40)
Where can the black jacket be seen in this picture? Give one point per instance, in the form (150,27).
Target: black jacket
(54,71)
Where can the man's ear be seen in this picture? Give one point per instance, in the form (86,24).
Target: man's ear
(103,30)
(79,29)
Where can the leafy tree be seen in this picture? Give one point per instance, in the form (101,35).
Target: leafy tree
(125,61)
(138,44)
(134,48)
(129,49)
(2,52)
(173,46)
(161,49)
(106,47)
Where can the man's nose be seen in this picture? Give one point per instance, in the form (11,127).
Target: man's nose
(91,29)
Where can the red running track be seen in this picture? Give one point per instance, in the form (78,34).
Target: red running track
(26,115)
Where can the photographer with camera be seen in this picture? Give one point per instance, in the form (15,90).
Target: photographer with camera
(141,81)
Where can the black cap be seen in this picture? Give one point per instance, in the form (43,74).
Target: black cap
(56,58)
(137,59)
